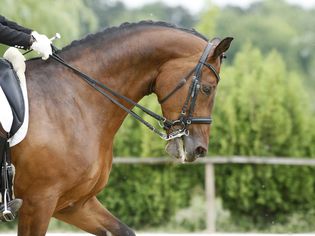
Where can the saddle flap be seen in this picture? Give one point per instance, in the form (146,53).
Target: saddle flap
(10,85)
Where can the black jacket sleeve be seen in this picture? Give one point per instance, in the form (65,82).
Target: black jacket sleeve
(13,34)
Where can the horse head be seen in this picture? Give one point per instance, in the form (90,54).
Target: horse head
(186,89)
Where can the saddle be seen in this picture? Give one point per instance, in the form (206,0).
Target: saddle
(10,85)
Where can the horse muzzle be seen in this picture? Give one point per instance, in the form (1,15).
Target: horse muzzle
(186,149)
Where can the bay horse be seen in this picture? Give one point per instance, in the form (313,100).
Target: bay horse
(66,157)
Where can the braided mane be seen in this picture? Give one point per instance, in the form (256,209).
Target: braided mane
(127,25)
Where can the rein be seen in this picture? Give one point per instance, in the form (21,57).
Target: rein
(183,121)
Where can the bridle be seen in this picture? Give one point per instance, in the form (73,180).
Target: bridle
(185,119)
(186,116)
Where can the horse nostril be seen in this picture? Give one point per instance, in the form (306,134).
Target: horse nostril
(200,151)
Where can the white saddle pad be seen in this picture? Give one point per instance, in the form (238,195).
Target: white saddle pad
(18,61)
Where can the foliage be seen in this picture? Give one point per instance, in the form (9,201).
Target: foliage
(114,13)
(262,110)
(208,21)
(9,226)
(70,18)
(299,221)
(191,218)
(151,144)
(128,140)
(145,196)
(272,25)
(135,139)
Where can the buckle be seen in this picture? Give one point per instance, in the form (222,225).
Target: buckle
(177,134)
(165,124)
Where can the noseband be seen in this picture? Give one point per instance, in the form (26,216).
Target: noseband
(180,126)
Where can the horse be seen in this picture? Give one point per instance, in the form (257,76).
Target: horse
(66,157)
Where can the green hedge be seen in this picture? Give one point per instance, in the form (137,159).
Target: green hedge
(261,109)
(148,196)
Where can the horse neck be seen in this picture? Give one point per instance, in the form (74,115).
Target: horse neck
(126,66)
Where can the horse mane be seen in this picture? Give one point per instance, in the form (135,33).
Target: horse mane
(128,25)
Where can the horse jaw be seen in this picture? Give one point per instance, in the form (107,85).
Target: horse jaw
(176,148)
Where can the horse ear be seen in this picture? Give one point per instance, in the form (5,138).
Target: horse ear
(222,47)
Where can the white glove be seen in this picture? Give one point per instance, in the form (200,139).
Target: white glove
(42,45)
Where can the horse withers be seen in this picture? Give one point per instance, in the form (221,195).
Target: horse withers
(66,157)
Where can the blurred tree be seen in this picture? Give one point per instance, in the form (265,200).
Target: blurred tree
(208,21)
(151,144)
(128,139)
(148,196)
(159,11)
(135,139)
(71,18)
(262,110)
(269,25)
(110,13)
(107,12)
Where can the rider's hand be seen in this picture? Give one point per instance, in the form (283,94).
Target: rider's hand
(42,45)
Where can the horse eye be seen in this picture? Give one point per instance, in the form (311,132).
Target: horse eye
(223,56)
(206,89)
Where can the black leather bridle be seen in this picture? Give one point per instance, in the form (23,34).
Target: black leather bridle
(186,116)
(185,119)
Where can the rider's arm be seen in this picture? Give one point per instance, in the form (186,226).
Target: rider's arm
(14,35)
(14,25)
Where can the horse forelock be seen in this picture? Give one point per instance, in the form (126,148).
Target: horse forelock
(105,33)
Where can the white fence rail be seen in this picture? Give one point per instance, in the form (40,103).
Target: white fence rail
(210,163)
